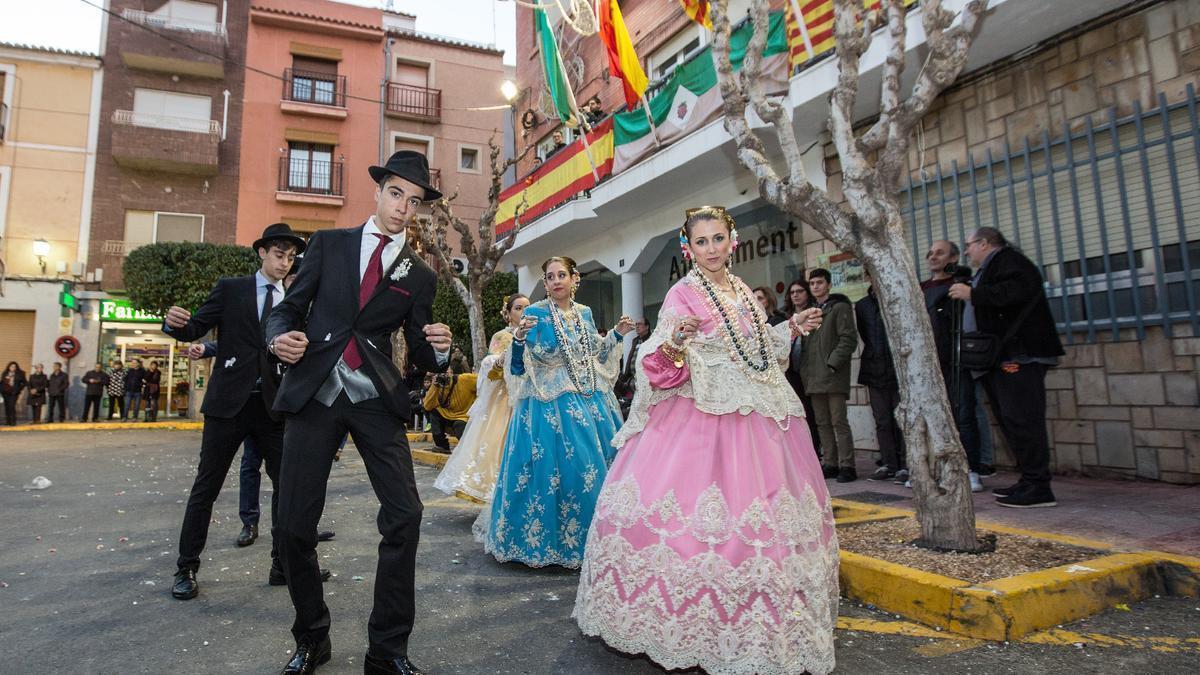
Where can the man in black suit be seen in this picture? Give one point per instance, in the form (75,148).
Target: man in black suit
(237,405)
(1007,290)
(356,288)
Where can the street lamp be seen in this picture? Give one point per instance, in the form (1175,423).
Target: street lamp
(509,90)
(41,249)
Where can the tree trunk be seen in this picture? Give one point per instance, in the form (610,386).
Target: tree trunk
(479,339)
(937,463)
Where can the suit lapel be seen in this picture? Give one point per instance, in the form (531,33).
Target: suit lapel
(353,243)
(252,294)
(406,253)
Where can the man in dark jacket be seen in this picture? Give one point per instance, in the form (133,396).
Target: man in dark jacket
(135,380)
(1006,284)
(57,389)
(38,382)
(95,380)
(825,358)
(877,373)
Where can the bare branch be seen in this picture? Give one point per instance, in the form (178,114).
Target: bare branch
(948,49)
(770,110)
(889,96)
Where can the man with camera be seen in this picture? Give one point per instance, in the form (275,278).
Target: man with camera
(448,401)
(1009,340)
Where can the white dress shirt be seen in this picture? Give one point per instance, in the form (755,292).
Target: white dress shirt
(260,291)
(369,242)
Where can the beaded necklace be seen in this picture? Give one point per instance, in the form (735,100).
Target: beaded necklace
(719,306)
(578,353)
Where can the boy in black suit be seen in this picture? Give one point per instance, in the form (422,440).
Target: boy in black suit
(240,392)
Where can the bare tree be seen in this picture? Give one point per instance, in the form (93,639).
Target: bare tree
(873,229)
(478,245)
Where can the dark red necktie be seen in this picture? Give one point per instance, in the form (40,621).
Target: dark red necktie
(366,289)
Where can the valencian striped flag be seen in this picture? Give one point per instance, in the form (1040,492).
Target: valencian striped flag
(698,10)
(622,59)
(556,78)
(818,19)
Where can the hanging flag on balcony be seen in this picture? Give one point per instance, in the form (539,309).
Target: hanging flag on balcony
(817,26)
(698,11)
(691,98)
(556,77)
(622,59)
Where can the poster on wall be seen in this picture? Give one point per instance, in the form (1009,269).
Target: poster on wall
(849,275)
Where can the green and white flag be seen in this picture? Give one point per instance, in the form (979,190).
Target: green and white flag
(556,78)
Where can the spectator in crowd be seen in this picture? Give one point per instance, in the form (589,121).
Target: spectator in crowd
(1006,299)
(116,388)
(593,112)
(626,384)
(447,401)
(150,387)
(95,380)
(57,389)
(798,299)
(12,383)
(417,381)
(825,369)
(559,143)
(766,300)
(877,372)
(135,379)
(944,311)
(38,382)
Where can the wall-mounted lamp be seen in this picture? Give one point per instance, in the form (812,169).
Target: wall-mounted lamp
(509,90)
(41,249)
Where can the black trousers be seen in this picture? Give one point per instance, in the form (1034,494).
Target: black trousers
(809,416)
(887,430)
(218,446)
(1019,403)
(439,427)
(91,401)
(59,400)
(37,412)
(116,403)
(10,410)
(313,436)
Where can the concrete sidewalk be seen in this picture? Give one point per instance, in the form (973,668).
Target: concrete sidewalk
(1125,514)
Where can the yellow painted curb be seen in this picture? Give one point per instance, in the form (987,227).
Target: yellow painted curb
(188,425)
(430,458)
(1008,609)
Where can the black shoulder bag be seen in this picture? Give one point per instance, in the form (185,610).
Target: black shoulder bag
(980,351)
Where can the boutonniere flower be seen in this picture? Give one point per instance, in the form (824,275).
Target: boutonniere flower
(402,269)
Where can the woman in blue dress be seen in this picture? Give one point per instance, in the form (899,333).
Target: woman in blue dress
(560,379)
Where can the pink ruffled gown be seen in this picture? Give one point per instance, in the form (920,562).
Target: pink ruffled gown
(713,542)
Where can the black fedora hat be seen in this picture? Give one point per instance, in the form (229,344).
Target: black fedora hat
(412,167)
(280,231)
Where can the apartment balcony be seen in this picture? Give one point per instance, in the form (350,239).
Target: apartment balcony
(314,94)
(415,103)
(181,47)
(304,181)
(167,144)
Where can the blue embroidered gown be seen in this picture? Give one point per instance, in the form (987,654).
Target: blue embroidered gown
(559,442)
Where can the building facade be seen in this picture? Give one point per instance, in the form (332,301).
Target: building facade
(49,113)
(1072,129)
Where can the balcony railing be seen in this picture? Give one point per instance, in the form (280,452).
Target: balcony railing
(172,23)
(305,86)
(310,177)
(417,102)
(137,119)
(117,247)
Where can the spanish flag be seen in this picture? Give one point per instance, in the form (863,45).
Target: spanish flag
(698,10)
(622,59)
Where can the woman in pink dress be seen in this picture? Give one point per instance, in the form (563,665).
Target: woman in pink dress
(713,542)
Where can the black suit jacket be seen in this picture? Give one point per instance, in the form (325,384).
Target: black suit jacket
(323,301)
(242,357)
(1008,283)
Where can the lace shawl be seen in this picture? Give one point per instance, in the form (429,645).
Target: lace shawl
(545,360)
(720,383)
(485,386)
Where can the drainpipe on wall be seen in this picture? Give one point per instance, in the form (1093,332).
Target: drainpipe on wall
(387,64)
(225,115)
(224,13)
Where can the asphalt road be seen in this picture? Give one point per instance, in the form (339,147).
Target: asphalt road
(86,568)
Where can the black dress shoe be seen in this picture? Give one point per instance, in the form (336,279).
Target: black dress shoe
(399,664)
(847,475)
(325,536)
(829,471)
(248,536)
(277,578)
(307,657)
(186,587)
(1011,490)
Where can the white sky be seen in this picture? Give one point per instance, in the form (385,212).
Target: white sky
(74,25)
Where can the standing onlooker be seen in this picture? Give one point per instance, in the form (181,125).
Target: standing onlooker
(825,369)
(12,383)
(877,372)
(799,298)
(448,400)
(57,388)
(766,300)
(135,378)
(593,112)
(38,382)
(150,387)
(1006,299)
(116,388)
(626,384)
(95,380)
(559,143)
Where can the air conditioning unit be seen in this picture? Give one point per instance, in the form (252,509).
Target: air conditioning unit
(78,269)
(460,265)
(99,274)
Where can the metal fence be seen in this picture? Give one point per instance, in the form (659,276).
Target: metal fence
(1110,212)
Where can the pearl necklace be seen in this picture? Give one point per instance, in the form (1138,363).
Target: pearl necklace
(728,312)
(577,355)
